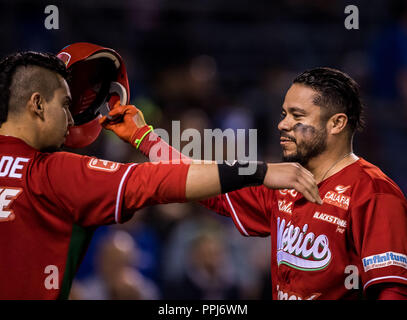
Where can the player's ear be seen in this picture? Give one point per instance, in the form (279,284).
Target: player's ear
(337,123)
(36,105)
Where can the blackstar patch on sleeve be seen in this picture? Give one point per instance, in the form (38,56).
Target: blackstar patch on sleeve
(103,165)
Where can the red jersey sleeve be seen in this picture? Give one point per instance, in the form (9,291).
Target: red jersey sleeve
(92,191)
(379,230)
(154,183)
(393,292)
(387,291)
(248,208)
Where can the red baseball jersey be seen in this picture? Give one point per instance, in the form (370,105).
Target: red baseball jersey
(355,239)
(50,203)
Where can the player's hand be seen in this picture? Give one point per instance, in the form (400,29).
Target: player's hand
(127,122)
(292,176)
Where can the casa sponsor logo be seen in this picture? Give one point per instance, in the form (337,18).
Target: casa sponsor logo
(103,165)
(285,206)
(385,259)
(300,249)
(330,219)
(290,295)
(337,198)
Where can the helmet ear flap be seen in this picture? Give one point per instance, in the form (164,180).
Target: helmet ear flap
(98,78)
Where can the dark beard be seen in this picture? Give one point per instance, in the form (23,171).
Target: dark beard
(309,148)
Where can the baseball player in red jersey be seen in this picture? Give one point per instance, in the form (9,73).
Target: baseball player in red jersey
(354,245)
(50,202)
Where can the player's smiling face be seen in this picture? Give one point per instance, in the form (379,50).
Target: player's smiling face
(302,133)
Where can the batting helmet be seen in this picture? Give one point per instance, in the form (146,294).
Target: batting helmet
(98,81)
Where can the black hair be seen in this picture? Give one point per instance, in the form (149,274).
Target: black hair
(39,81)
(337,92)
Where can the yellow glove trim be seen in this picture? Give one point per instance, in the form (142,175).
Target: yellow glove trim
(137,142)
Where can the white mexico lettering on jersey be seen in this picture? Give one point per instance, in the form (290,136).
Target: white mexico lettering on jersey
(12,168)
(301,250)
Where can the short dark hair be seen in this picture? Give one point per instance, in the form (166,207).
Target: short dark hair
(10,65)
(337,92)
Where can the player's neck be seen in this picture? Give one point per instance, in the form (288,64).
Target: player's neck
(330,162)
(20,130)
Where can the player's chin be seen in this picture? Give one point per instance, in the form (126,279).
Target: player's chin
(290,156)
(289,150)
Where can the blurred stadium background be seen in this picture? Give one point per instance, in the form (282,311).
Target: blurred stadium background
(218,64)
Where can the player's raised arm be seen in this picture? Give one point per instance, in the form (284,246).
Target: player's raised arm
(129,124)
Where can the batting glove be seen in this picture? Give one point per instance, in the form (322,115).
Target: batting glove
(128,123)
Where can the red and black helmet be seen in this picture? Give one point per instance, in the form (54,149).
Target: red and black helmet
(98,81)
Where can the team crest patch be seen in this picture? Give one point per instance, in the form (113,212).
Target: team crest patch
(103,165)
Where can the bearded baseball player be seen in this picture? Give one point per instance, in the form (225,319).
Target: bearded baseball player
(50,201)
(352,246)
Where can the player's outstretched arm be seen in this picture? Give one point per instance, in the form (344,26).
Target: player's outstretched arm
(129,124)
(155,183)
(207,180)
